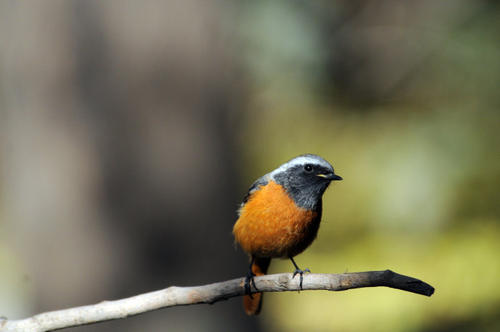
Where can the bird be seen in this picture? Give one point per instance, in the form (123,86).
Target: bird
(280,217)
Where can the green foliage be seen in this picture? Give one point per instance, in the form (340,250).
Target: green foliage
(421,173)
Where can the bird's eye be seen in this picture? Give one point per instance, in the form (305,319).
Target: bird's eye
(308,168)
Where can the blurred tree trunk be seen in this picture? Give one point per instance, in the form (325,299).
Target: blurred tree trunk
(119,172)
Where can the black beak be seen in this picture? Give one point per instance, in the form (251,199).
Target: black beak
(335,177)
(330,176)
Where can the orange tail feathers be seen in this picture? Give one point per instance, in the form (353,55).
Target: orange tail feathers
(253,304)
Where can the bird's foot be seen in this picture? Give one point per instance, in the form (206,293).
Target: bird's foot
(249,282)
(300,272)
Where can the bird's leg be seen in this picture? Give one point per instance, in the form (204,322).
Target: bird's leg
(299,271)
(249,281)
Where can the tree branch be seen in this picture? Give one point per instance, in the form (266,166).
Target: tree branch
(175,296)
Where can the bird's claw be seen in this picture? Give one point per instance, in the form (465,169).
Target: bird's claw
(300,272)
(249,282)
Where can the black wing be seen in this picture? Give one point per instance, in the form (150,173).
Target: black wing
(255,186)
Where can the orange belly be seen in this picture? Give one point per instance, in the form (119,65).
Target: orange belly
(271,224)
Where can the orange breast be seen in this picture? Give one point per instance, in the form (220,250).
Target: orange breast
(271,225)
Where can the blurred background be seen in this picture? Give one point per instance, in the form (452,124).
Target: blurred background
(130,132)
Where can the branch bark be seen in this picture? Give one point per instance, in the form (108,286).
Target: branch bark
(176,296)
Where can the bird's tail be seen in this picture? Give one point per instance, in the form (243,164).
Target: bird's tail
(253,304)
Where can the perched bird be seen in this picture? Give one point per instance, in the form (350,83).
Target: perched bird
(280,216)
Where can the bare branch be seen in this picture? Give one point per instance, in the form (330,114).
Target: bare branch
(175,296)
